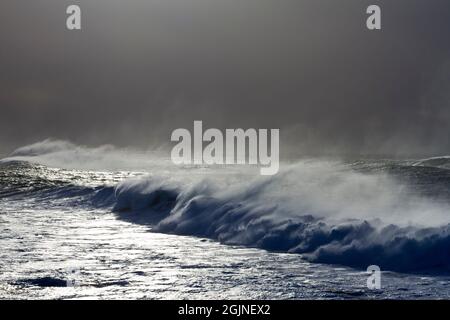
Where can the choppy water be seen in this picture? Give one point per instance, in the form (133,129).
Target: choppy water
(78,234)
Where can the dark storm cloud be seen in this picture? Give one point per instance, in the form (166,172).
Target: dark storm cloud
(140,69)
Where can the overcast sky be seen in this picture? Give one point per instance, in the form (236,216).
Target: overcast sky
(142,68)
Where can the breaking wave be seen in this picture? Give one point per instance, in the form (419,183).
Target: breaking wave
(349,219)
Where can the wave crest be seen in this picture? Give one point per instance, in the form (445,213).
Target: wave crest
(255,213)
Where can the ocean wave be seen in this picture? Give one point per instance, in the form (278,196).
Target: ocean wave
(277,214)
(326,211)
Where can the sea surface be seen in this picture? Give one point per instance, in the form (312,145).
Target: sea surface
(156,232)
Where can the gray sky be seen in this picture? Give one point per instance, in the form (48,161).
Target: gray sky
(142,68)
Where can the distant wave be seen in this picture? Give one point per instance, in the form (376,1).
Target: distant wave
(439,162)
(64,154)
(21,181)
(328,212)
